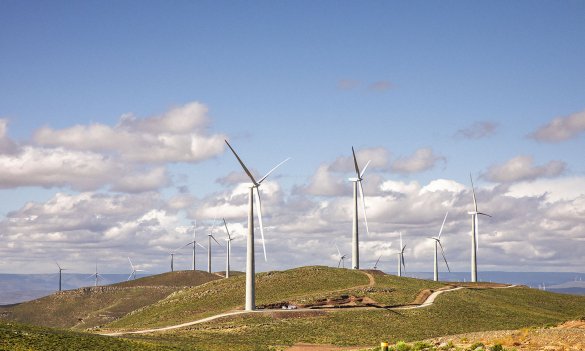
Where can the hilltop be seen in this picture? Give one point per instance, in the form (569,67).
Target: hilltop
(93,306)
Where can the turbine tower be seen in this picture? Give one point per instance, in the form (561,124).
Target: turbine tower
(254,196)
(437,240)
(400,253)
(194,243)
(60,270)
(209,237)
(228,249)
(134,270)
(173,253)
(474,233)
(96,275)
(341,257)
(355,254)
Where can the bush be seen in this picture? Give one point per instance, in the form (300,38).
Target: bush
(402,346)
(477,345)
(421,346)
(497,347)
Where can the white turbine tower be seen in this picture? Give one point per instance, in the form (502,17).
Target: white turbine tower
(209,237)
(401,262)
(96,275)
(134,270)
(357,185)
(254,196)
(172,254)
(228,249)
(437,240)
(474,233)
(60,270)
(341,257)
(193,243)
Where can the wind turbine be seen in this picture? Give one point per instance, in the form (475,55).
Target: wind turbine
(60,269)
(96,275)
(437,240)
(209,237)
(194,243)
(172,254)
(474,233)
(134,270)
(400,253)
(355,254)
(254,196)
(341,257)
(228,248)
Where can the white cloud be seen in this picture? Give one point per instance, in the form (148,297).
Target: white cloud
(422,160)
(552,190)
(522,168)
(176,136)
(561,128)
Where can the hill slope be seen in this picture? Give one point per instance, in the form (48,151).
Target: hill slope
(93,306)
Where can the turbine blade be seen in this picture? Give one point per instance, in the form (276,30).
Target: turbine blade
(473,190)
(484,214)
(378,261)
(357,168)
(442,225)
(339,252)
(364,206)
(201,245)
(242,163)
(339,263)
(212,237)
(194,223)
(130,276)
(404,247)
(403,261)
(272,170)
(226,229)
(365,167)
(259,205)
(443,253)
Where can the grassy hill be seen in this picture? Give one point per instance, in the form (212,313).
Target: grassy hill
(20,337)
(363,318)
(93,306)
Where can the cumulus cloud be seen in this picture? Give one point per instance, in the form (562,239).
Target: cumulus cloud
(561,128)
(79,170)
(422,160)
(478,130)
(7,146)
(522,168)
(176,136)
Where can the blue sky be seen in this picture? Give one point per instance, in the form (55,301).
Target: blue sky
(447,87)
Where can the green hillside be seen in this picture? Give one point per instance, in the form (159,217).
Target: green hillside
(335,306)
(93,306)
(20,337)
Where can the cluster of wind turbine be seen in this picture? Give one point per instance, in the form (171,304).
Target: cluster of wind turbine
(133,270)
(401,262)
(357,185)
(474,233)
(60,270)
(209,237)
(254,196)
(228,245)
(437,240)
(341,257)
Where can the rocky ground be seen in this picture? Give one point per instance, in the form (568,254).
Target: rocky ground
(569,336)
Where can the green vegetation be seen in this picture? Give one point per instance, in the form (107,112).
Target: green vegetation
(455,312)
(19,337)
(93,306)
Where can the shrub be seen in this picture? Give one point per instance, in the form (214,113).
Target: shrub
(421,346)
(477,345)
(402,346)
(497,347)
